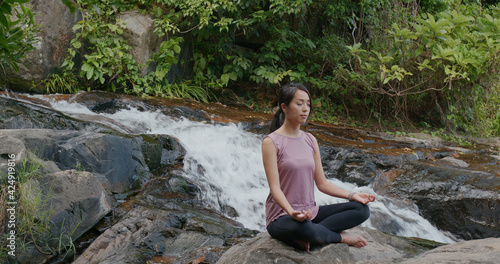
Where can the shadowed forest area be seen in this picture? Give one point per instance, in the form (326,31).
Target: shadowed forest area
(390,65)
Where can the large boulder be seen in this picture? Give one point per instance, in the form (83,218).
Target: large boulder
(64,205)
(382,248)
(459,200)
(19,114)
(57,23)
(127,162)
(485,251)
(77,200)
(139,34)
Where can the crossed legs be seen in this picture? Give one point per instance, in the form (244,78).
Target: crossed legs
(325,228)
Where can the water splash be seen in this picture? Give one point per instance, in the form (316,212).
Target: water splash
(225,161)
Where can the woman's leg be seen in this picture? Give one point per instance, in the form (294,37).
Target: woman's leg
(325,228)
(288,230)
(342,216)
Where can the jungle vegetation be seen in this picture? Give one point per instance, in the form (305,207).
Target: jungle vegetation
(420,63)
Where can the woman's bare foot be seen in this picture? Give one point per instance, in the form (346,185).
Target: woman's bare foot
(303,244)
(354,240)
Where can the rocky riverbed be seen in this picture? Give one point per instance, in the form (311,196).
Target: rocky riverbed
(123,197)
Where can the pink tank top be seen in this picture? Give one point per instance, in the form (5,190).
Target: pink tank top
(296,174)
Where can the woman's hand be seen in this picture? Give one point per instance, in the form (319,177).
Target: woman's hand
(363,198)
(301,216)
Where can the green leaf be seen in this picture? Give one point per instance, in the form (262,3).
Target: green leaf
(233,76)
(112,27)
(76,44)
(177,49)
(3,20)
(86,67)
(225,78)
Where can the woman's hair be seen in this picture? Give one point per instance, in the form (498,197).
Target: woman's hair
(287,92)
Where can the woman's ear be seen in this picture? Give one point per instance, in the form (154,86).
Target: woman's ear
(283,107)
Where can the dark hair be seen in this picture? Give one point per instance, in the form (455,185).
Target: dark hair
(287,92)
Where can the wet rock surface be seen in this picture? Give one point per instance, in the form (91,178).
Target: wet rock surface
(119,159)
(165,221)
(463,202)
(22,115)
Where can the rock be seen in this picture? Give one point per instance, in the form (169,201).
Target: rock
(16,114)
(57,23)
(165,222)
(456,162)
(459,200)
(71,202)
(485,251)
(144,234)
(123,160)
(382,248)
(119,159)
(11,150)
(424,138)
(77,200)
(140,36)
(110,103)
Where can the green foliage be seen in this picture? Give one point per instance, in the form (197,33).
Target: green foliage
(106,60)
(451,52)
(381,57)
(64,82)
(17,33)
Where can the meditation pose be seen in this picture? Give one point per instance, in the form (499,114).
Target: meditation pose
(292,163)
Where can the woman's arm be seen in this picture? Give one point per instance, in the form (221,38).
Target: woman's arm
(270,159)
(329,188)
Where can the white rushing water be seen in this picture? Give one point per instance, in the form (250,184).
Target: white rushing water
(233,174)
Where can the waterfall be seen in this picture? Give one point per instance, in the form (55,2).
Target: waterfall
(225,162)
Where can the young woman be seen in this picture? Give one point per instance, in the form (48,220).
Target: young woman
(292,163)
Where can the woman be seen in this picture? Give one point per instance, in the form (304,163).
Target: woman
(292,163)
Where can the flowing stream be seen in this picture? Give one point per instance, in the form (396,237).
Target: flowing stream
(225,161)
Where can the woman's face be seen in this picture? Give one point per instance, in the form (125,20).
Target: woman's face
(299,108)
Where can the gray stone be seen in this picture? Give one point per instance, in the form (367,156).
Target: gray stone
(140,36)
(456,162)
(68,204)
(461,201)
(119,159)
(144,233)
(57,23)
(11,150)
(381,248)
(77,200)
(485,251)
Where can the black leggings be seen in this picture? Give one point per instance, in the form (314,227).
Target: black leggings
(324,228)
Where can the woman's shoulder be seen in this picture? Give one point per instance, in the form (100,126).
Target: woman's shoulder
(309,135)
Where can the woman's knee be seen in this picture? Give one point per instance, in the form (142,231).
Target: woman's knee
(364,211)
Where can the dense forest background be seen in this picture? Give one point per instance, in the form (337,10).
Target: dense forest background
(404,64)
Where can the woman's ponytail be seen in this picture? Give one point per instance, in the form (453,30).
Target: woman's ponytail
(278,120)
